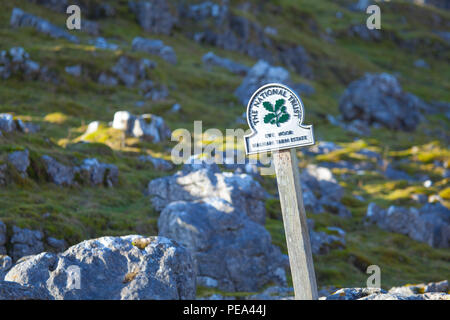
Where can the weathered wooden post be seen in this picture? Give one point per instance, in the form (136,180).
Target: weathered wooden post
(275,116)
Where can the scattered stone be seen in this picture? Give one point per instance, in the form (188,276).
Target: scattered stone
(74,70)
(274,293)
(57,244)
(20,18)
(153,92)
(16,61)
(20,160)
(298,59)
(226,244)
(91,172)
(103,44)
(395,174)
(322,242)
(58,173)
(154,16)
(379,99)
(146,126)
(361,31)
(210,59)
(161,270)
(107,80)
(5,265)
(7,123)
(2,238)
(14,291)
(420,198)
(430,224)
(420,63)
(321,191)
(26,242)
(158,163)
(200,181)
(261,73)
(155,47)
(323,147)
(95,173)
(130,70)
(353,293)
(175,108)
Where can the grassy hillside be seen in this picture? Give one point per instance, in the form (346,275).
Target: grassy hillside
(64,110)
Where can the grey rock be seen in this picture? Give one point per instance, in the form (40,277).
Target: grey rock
(298,59)
(20,18)
(261,73)
(107,80)
(152,91)
(200,181)
(379,99)
(394,174)
(58,244)
(130,70)
(361,31)
(2,236)
(158,163)
(420,63)
(323,147)
(274,293)
(430,224)
(112,268)
(154,16)
(5,265)
(322,191)
(14,291)
(16,62)
(20,160)
(441,286)
(103,44)
(226,245)
(155,47)
(420,198)
(175,108)
(27,127)
(322,242)
(90,27)
(74,70)
(147,126)
(94,173)
(26,242)
(58,173)
(354,293)
(361,5)
(7,123)
(210,59)
(303,89)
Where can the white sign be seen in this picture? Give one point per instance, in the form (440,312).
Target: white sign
(275,116)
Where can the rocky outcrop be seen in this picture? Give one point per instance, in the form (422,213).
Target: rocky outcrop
(15,291)
(429,224)
(16,62)
(322,242)
(112,268)
(298,59)
(260,74)
(431,291)
(378,99)
(90,172)
(130,71)
(200,181)
(321,191)
(9,124)
(26,242)
(211,60)
(157,163)
(263,73)
(156,47)
(20,18)
(5,265)
(231,251)
(146,126)
(20,160)
(154,16)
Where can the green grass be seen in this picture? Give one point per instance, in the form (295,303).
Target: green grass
(63,112)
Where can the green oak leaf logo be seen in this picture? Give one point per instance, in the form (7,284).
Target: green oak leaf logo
(278,114)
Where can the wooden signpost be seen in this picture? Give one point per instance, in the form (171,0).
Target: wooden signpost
(275,116)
